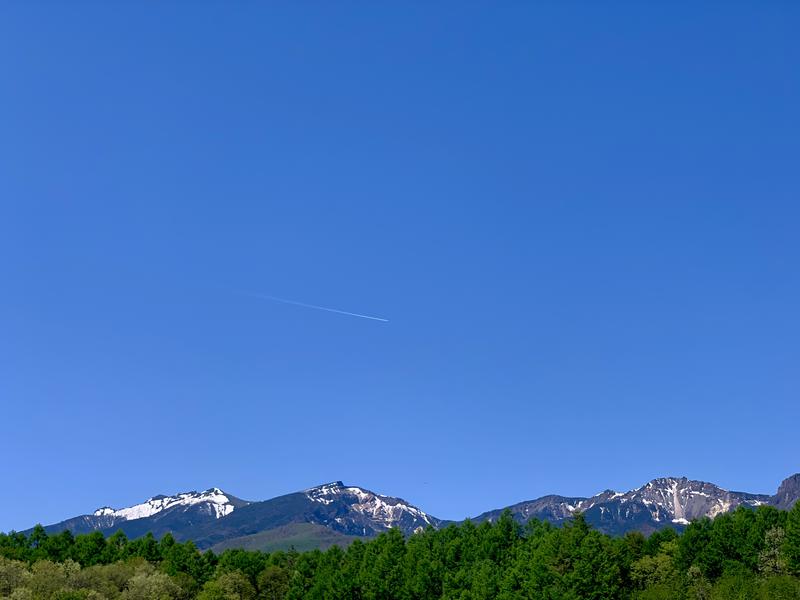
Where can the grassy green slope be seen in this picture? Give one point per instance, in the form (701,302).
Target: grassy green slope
(300,536)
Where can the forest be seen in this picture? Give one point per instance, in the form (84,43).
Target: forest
(745,554)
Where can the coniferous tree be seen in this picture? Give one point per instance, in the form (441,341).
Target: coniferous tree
(791,543)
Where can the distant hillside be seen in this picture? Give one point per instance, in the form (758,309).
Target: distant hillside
(300,536)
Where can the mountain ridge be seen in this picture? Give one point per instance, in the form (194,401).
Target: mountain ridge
(660,502)
(334,512)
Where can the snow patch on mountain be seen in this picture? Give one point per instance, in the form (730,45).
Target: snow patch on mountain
(382,510)
(667,499)
(214,500)
(660,502)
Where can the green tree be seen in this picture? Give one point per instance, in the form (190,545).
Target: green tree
(229,586)
(656,571)
(249,563)
(58,547)
(184,558)
(13,574)
(653,543)
(89,549)
(38,536)
(770,559)
(116,548)
(145,547)
(698,587)
(779,588)
(791,544)
(151,586)
(382,569)
(738,586)
(273,583)
(48,577)
(22,593)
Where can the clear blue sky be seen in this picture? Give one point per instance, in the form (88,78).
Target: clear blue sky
(581,222)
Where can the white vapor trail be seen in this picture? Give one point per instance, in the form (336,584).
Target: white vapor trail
(306,305)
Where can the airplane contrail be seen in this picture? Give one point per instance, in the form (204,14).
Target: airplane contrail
(326,308)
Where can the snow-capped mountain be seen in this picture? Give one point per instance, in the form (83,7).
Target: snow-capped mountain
(213,517)
(159,514)
(368,510)
(213,501)
(333,507)
(336,513)
(664,501)
(680,500)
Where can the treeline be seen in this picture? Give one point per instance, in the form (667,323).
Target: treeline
(746,554)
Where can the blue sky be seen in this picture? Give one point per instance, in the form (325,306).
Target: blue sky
(580,221)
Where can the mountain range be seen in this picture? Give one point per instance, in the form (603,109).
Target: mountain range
(337,514)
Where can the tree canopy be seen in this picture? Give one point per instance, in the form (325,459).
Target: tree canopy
(749,553)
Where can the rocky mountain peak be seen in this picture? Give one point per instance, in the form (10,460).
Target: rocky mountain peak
(366,508)
(788,492)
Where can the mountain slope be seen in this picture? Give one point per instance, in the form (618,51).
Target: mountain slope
(335,513)
(666,501)
(158,515)
(351,511)
(300,536)
(547,508)
(211,518)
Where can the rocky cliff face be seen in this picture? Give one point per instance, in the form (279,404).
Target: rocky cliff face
(788,493)
(359,510)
